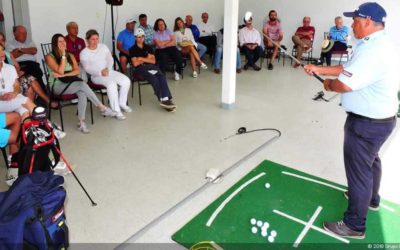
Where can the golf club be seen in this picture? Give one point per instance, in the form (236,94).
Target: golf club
(294,58)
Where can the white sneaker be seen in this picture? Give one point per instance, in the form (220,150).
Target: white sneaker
(61,169)
(11,176)
(108,112)
(203,66)
(126,109)
(177,77)
(83,128)
(194,74)
(120,116)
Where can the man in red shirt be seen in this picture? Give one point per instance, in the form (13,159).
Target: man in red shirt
(75,44)
(303,38)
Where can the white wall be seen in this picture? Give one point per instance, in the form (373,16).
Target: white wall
(322,13)
(50,16)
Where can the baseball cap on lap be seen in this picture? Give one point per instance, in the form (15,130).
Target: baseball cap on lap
(370,10)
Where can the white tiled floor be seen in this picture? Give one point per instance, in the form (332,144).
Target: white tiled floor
(139,168)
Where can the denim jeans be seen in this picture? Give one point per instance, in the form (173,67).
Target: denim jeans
(202,49)
(218,56)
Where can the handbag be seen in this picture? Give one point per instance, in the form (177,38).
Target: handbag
(186,43)
(70,79)
(67,80)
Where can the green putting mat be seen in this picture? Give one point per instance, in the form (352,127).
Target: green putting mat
(288,208)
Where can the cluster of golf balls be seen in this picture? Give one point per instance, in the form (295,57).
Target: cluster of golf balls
(263,226)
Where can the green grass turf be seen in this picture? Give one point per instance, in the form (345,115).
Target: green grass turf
(296,197)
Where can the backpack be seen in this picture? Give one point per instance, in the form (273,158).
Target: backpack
(37,140)
(32,213)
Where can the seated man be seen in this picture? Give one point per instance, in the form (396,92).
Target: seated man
(125,40)
(24,52)
(273,30)
(201,48)
(148,30)
(338,35)
(144,61)
(75,44)
(250,41)
(206,34)
(218,54)
(9,129)
(303,38)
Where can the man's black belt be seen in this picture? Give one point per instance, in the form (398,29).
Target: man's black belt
(389,119)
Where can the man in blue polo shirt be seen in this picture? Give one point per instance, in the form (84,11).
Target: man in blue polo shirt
(125,40)
(369,84)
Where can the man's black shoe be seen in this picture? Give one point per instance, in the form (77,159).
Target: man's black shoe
(339,228)
(270,66)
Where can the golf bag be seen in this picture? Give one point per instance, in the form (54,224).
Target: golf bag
(37,140)
(32,213)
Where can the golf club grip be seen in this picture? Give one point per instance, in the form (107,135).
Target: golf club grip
(315,75)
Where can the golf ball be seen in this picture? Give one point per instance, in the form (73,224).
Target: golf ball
(264,233)
(274,233)
(253,221)
(254,230)
(259,223)
(266,224)
(267,185)
(271,239)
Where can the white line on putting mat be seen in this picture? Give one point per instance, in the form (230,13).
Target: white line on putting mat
(307,227)
(313,227)
(230,197)
(331,186)
(312,180)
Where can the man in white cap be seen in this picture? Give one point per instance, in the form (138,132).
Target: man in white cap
(143,59)
(125,40)
(369,84)
(250,41)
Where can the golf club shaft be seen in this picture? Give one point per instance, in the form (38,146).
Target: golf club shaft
(76,178)
(294,58)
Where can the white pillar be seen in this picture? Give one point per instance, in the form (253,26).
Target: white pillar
(231,12)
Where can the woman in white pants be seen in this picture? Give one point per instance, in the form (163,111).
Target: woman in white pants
(97,61)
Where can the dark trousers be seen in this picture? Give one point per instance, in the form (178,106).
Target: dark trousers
(337,46)
(158,80)
(163,55)
(362,141)
(252,56)
(210,42)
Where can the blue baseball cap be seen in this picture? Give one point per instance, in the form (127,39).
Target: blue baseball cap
(370,10)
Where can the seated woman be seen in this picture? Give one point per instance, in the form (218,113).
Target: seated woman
(187,45)
(96,60)
(144,62)
(10,98)
(165,42)
(63,64)
(29,85)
